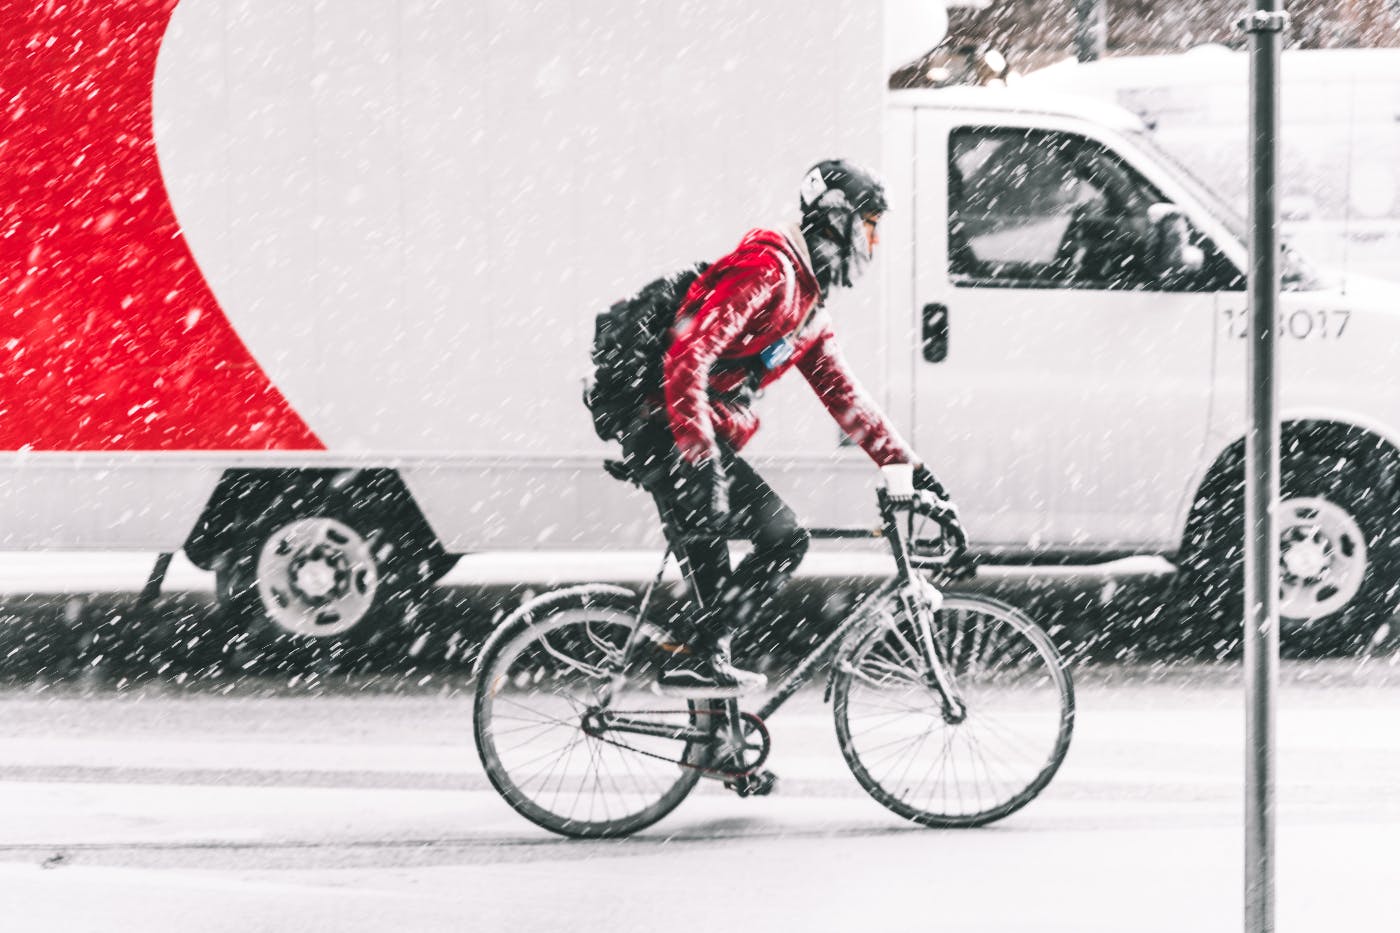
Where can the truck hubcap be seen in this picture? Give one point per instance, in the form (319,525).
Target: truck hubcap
(1322,558)
(317,577)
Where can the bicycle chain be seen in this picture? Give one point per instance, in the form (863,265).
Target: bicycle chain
(717,772)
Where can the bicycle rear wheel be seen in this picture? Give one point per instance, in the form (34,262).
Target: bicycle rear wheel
(934,769)
(536,722)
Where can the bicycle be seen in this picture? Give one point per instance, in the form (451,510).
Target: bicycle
(951,711)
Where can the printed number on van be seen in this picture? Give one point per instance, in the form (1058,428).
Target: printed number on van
(1296,325)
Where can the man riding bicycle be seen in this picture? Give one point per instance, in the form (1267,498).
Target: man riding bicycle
(748,319)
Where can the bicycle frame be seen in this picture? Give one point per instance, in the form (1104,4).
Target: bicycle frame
(890,662)
(899,584)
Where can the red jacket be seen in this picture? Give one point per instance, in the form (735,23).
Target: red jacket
(761,293)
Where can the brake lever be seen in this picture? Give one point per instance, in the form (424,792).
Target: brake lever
(960,565)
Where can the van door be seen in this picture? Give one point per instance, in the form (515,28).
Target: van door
(1063,378)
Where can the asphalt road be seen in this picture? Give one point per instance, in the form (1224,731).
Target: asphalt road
(361,806)
(153,780)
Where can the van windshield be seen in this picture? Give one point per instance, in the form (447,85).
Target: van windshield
(1339,160)
(1219,206)
(1297,274)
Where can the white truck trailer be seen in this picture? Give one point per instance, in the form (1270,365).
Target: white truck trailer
(307,289)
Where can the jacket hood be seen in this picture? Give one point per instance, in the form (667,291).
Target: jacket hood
(788,240)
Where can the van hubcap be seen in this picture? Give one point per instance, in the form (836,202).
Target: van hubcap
(1322,558)
(316,577)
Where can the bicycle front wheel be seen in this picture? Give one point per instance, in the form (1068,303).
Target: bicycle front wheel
(949,770)
(544,699)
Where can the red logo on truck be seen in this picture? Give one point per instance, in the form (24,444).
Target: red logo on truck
(110,338)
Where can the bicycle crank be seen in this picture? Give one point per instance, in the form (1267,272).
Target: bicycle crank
(742,751)
(732,753)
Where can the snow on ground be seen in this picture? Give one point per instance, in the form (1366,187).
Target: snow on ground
(162,810)
(294,858)
(171,812)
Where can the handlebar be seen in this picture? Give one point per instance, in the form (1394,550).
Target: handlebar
(946,554)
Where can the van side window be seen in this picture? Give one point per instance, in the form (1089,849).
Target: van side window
(1041,209)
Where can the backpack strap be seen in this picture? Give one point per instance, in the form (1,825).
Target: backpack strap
(757,364)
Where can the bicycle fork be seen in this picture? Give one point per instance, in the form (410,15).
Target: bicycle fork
(920,600)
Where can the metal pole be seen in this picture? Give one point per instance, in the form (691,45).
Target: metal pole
(1265,27)
(1090,30)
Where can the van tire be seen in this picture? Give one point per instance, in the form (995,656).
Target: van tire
(321,579)
(1338,554)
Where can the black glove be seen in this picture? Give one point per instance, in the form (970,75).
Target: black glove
(702,494)
(962,565)
(925,480)
(951,522)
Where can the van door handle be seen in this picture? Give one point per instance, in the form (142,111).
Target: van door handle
(935,333)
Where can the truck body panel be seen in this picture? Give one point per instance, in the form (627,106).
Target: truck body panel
(398,221)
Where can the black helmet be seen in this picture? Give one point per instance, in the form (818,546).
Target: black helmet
(835,196)
(842,185)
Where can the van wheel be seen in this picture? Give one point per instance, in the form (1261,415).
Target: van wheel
(312,578)
(1338,559)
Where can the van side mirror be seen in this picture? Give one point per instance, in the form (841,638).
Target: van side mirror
(1171,251)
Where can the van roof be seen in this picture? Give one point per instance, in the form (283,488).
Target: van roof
(1211,64)
(1018,99)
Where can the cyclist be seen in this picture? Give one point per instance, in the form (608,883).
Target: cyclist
(750,317)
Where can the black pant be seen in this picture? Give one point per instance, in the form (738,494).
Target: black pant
(728,599)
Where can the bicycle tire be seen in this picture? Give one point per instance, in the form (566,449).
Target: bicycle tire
(1020,712)
(539,675)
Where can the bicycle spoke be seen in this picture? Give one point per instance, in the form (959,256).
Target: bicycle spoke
(524,706)
(561,764)
(911,651)
(871,750)
(599,796)
(537,732)
(913,752)
(891,703)
(894,671)
(878,721)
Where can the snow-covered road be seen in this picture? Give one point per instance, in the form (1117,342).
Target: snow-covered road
(157,811)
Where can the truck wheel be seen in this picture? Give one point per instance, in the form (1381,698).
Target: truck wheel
(1338,559)
(312,577)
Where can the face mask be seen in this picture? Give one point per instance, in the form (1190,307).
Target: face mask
(827,261)
(861,251)
(860,243)
(839,247)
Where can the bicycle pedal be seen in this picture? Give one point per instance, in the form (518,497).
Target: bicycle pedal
(755,784)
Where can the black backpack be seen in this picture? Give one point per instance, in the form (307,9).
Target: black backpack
(628,342)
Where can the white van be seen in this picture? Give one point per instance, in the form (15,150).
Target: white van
(1080,370)
(320,314)
(1339,159)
